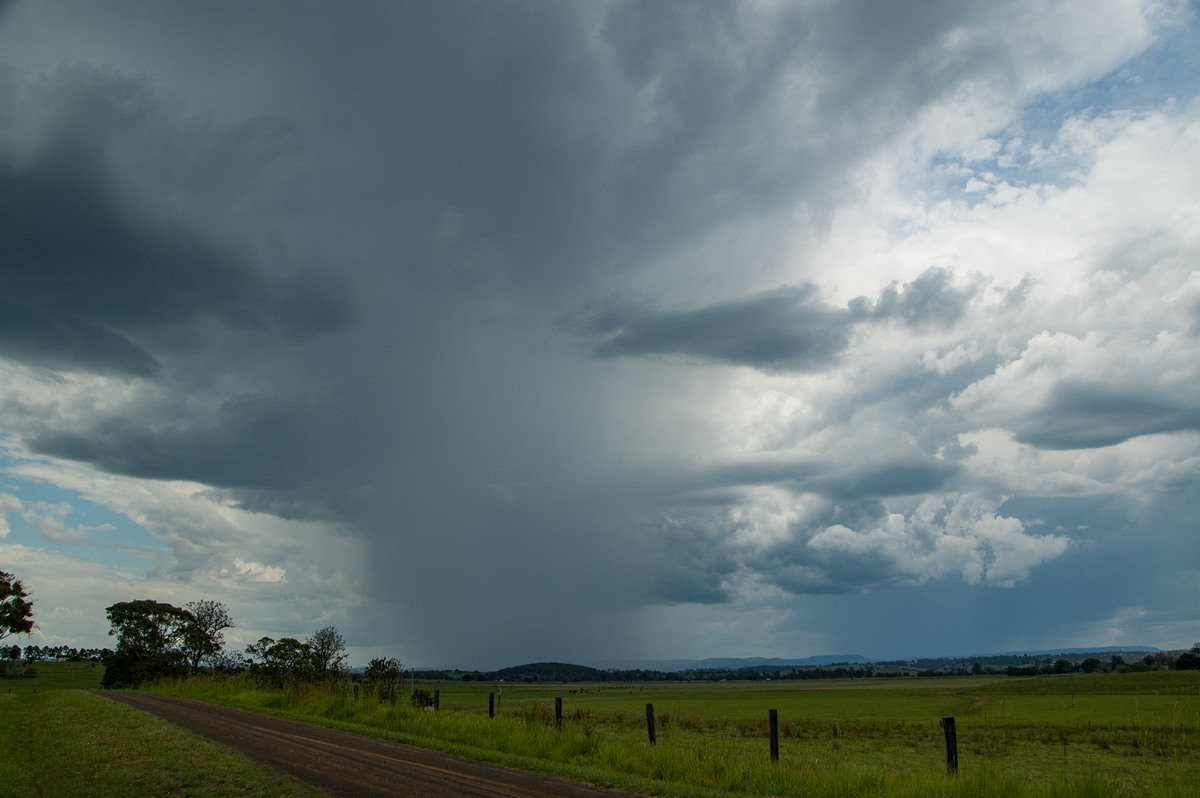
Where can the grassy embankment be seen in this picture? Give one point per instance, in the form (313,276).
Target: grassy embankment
(57,740)
(1074,736)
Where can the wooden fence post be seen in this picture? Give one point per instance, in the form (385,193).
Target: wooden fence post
(491,705)
(773,724)
(558,712)
(951,736)
(650,724)
(437,700)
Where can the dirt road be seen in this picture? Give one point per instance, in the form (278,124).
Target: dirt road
(345,764)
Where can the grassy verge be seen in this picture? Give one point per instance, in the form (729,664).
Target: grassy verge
(58,742)
(53,676)
(891,746)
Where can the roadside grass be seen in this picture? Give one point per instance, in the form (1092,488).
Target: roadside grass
(838,738)
(61,741)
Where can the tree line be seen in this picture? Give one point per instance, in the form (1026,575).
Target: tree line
(159,640)
(156,640)
(52,653)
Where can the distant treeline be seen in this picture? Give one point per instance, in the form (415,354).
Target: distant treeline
(1004,665)
(52,653)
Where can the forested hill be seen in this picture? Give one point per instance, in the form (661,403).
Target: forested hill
(550,672)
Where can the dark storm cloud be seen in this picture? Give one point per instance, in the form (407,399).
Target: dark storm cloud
(721,136)
(782,329)
(90,281)
(476,170)
(1086,415)
(787,329)
(696,562)
(248,443)
(902,478)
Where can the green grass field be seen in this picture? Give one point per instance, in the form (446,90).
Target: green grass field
(54,676)
(1101,735)
(57,740)
(1064,736)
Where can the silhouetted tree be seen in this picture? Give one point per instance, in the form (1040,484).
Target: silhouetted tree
(328,650)
(203,638)
(16,610)
(150,642)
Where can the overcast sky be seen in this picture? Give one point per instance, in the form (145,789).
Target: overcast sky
(497,332)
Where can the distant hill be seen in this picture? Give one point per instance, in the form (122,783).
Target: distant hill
(731,663)
(1057,651)
(547,672)
(823,666)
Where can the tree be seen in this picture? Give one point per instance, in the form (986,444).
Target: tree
(328,650)
(382,675)
(150,642)
(203,638)
(276,662)
(16,610)
(1189,660)
(9,656)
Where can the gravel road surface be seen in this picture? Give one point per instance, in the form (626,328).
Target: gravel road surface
(344,764)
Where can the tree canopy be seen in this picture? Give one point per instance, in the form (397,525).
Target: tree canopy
(16,610)
(278,662)
(328,650)
(203,638)
(155,639)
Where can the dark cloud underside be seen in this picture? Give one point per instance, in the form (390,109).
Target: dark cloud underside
(783,329)
(787,329)
(92,281)
(1086,415)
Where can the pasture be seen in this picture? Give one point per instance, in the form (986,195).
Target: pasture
(56,739)
(1076,735)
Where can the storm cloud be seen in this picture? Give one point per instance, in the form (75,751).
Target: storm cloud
(589,331)
(786,329)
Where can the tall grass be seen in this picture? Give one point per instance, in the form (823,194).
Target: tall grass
(702,756)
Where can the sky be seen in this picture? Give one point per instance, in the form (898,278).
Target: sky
(503,332)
